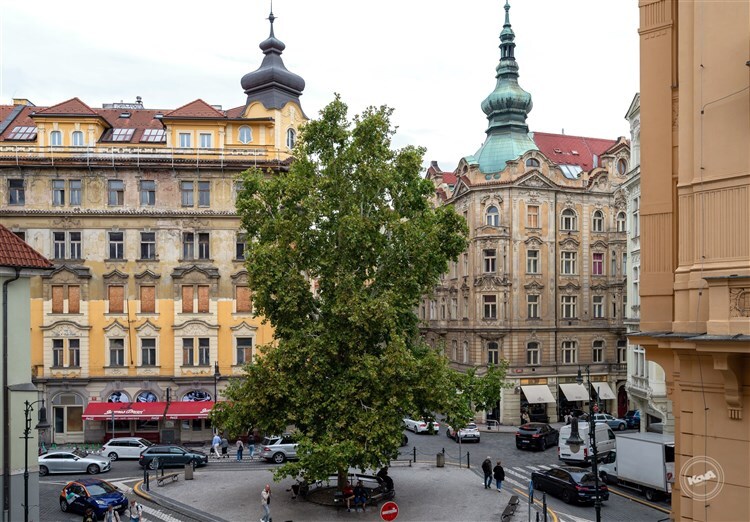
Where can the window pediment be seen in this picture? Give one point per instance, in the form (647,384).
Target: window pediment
(115,328)
(115,276)
(68,273)
(534,241)
(148,329)
(569,243)
(196,327)
(599,245)
(240,277)
(65,328)
(569,288)
(148,275)
(244,328)
(534,286)
(195,272)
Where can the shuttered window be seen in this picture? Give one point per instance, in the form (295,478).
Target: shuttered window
(74,299)
(57,299)
(148,299)
(187,299)
(116,295)
(202,299)
(243,299)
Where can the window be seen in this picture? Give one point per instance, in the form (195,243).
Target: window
(74,353)
(116,245)
(148,245)
(188,245)
(597,353)
(622,166)
(205,140)
(613,263)
(597,263)
(148,352)
(532,163)
(148,299)
(204,352)
(20,234)
(454,308)
(62,294)
(122,134)
(532,261)
(188,296)
(188,358)
(624,262)
(493,216)
(244,350)
(532,216)
(55,138)
(117,352)
(466,264)
(154,135)
(597,222)
(568,306)
(597,308)
(570,352)
(58,346)
(184,140)
(116,298)
(489,303)
(75,245)
(490,261)
(622,351)
(204,193)
(75,192)
(621,221)
(245,134)
(64,243)
(493,353)
(614,306)
(532,306)
(22,134)
(116,194)
(148,193)
(636,214)
(244,302)
(187,299)
(58,245)
(466,307)
(58,192)
(186,188)
(291,138)
(16,192)
(465,357)
(442,309)
(78,139)
(454,350)
(568,220)
(239,246)
(568,263)
(532,354)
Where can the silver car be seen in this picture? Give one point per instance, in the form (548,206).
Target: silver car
(72,462)
(278,449)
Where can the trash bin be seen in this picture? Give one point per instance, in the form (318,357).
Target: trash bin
(440,460)
(188,472)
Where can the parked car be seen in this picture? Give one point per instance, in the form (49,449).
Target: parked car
(125,447)
(421,426)
(97,494)
(633,419)
(569,483)
(72,462)
(278,448)
(609,420)
(171,455)
(469,433)
(536,435)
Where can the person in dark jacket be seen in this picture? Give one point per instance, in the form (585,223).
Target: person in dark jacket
(487,470)
(499,473)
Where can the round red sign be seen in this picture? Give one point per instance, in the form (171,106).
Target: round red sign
(389,511)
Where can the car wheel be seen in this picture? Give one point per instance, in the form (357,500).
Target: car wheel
(43,471)
(566,496)
(113,456)
(64,505)
(152,464)
(279,458)
(93,469)
(621,427)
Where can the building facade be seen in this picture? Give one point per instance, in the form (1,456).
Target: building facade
(148,308)
(542,283)
(695,242)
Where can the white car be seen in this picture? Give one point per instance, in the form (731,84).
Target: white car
(469,433)
(72,462)
(421,426)
(125,447)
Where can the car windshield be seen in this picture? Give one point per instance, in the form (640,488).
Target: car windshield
(146,442)
(103,488)
(582,477)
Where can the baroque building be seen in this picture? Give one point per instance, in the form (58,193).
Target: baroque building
(147,311)
(542,283)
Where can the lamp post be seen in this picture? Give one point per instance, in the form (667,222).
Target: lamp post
(41,425)
(217,376)
(594,450)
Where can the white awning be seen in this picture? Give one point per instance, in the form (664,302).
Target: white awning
(538,393)
(574,391)
(604,391)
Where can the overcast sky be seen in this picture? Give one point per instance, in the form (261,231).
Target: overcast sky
(433,61)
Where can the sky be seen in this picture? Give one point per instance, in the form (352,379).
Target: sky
(432,61)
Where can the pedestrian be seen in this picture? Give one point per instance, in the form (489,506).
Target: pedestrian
(348,495)
(525,417)
(89,516)
(111,515)
(135,511)
(499,473)
(487,470)
(265,501)
(240,448)
(215,443)
(224,448)
(360,496)
(251,446)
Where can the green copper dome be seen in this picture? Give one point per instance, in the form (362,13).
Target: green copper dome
(506,108)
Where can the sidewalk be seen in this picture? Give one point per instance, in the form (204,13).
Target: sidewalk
(423,492)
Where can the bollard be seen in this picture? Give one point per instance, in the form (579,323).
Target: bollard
(468,463)
(443,451)
(145,479)
(415,453)
(188,472)
(440,460)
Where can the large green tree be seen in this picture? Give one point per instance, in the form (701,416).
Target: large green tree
(340,249)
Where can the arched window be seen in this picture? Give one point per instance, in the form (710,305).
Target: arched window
(291,138)
(146,396)
(597,223)
(532,163)
(621,222)
(78,139)
(118,396)
(55,138)
(568,220)
(246,134)
(196,396)
(454,354)
(493,216)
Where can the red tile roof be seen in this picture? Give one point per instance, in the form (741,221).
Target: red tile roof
(572,150)
(236,112)
(195,109)
(73,106)
(15,252)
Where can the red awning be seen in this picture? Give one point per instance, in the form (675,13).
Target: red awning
(125,410)
(190,409)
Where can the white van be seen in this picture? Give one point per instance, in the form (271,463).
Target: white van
(605,443)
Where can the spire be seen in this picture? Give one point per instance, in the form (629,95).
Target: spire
(506,108)
(271,18)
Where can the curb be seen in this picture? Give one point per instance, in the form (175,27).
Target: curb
(174,505)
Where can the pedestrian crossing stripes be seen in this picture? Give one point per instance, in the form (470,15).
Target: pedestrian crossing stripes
(160,514)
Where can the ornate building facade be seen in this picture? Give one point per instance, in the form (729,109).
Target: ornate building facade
(148,310)
(542,283)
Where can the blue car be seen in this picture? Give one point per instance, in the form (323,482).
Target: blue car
(633,419)
(97,494)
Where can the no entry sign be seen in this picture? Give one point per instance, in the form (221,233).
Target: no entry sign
(389,511)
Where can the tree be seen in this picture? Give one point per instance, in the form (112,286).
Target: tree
(341,248)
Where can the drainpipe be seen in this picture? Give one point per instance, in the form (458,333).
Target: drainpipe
(6,401)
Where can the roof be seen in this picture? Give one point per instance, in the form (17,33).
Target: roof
(195,109)
(564,149)
(73,107)
(16,253)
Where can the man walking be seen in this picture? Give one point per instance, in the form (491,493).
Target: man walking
(487,470)
(265,501)
(499,473)
(215,443)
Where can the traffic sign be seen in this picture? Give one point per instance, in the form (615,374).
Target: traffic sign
(389,511)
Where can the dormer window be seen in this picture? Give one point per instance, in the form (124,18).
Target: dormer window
(532,163)
(122,134)
(124,115)
(154,136)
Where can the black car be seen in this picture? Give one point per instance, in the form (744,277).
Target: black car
(536,435)
(633,419)
(171,455)
(569,483)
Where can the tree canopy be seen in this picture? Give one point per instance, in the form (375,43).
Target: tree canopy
(340,249)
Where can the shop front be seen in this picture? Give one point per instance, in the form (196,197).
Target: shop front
(534,401)
(190,421)
(606,397)
(573,396)
(106,420)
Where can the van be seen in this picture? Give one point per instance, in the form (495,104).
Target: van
(605,443)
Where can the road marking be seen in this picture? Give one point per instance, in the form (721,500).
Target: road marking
(535,468)
(545,467)
(160,514)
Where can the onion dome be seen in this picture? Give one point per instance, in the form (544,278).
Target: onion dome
(272,84)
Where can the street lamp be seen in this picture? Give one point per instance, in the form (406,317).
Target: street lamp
(41,425)
(217,376)
(575,442)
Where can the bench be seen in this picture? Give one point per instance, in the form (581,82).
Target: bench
(169,477)
(510,509)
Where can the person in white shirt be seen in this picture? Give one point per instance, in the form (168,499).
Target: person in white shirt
(216,442)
